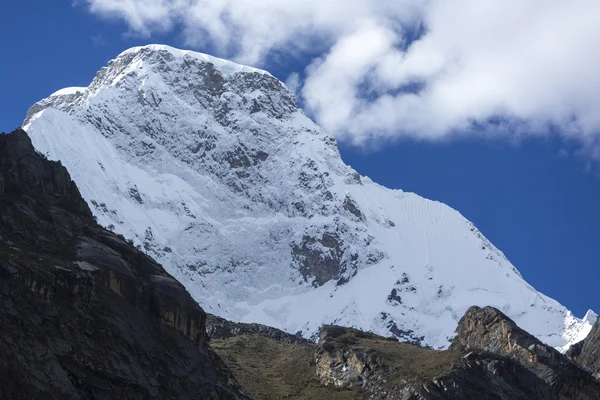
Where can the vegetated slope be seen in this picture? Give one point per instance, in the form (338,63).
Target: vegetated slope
(491,358)
(270,369)
(270,363)
(83,314)
(211,168)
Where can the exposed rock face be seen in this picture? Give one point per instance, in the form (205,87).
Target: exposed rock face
(489,330)
(341,361)
(587,352)
(491,358)
(220,328)
(26,173)
(83,314)
(270,369)
(323,259)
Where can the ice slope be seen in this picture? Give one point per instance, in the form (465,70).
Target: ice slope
(212,169)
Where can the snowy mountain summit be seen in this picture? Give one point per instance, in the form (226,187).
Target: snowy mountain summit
(212,169)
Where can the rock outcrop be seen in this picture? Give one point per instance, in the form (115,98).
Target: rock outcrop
(83,314)
(489,330)
(491,358)
(271,365)
(220,328)
(587,352)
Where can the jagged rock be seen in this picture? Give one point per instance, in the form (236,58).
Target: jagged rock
(350,206)
(84,315)
(220,328)
(575,350)
(319,259)
(381,367)
(343,366)
(394,298)
(489,330)
(490,359)
(26,172)
(587,352)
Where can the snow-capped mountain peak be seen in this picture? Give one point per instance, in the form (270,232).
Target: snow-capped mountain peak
(225,67)
(590,317)
(212,169)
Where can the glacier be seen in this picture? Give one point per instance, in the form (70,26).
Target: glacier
(212,169)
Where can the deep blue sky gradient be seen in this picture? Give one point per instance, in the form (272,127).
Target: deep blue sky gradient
(535,200)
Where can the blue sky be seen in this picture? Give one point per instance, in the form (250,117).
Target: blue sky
(535,198)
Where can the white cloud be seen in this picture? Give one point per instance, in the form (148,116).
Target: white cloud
(529,64)
(294,83)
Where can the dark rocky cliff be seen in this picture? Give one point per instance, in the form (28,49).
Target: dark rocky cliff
(587,352)
(545,372)
(491,358)
(220,328)
(83,314)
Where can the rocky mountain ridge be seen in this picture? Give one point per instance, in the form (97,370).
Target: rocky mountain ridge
(490,358)
(587,352)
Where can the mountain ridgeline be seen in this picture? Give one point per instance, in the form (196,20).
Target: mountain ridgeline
(212,169)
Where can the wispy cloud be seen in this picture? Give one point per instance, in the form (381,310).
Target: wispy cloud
(495,66)
(99,40)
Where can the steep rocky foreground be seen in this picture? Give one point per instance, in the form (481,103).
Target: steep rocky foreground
(83,314)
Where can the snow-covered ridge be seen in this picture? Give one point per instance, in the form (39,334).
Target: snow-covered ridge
(68,91)
(215,172)
(590,317)
(226,67)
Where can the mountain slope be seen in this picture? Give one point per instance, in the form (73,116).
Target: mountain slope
(212,169)
(83,314)
(491,358)
(587,352)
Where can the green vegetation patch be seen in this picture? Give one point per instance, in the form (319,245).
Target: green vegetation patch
(269,369)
